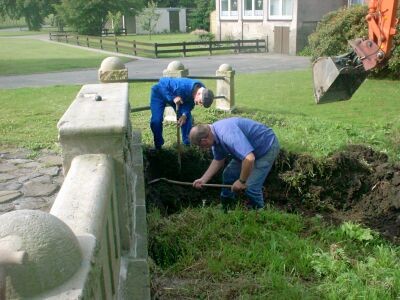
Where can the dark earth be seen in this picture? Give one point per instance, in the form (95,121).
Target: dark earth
(355,184)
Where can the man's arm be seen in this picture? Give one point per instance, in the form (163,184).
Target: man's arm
(247,167)
(213,168)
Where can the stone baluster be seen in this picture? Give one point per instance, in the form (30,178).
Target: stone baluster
(112,69)
(225,88)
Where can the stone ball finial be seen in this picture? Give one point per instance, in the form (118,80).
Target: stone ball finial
(111,63)
(175,66)
(225,67)
(53,251)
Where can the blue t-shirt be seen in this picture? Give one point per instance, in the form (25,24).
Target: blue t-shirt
(239,137)
(169,88)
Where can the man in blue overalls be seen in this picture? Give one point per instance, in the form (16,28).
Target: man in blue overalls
(181,93)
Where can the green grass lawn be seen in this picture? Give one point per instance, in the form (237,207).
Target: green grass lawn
(27,56)
(25,32)
(160,38)
(29,116)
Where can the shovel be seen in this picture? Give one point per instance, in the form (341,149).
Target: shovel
(216,185)
(178,140)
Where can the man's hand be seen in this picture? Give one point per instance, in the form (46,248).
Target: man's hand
(178,100)
(198,183)
(182,120)
(238,186)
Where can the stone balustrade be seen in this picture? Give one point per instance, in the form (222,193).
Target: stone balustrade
(98,217)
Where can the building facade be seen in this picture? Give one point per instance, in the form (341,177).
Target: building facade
(170,20)
(285,23)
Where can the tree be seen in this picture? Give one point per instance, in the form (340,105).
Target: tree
(34,11)
(199,18)
(89,16)
(116,20)
(149,17)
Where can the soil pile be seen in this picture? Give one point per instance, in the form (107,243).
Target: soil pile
(355,184)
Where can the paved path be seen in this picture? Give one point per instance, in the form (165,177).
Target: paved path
(27,183)
(152,68)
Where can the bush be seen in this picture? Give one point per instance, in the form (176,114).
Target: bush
(203,35)
(337,28)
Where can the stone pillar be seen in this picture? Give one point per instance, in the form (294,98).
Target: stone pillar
(225,88)
(174,69)
(112,69)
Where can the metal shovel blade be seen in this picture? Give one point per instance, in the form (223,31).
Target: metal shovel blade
(334,81)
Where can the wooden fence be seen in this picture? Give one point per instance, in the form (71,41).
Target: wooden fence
(159,49)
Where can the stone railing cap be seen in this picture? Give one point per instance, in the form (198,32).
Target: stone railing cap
(98,109)
(111,63)
(175,66)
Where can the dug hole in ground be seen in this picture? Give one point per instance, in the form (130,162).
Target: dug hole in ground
(355,184)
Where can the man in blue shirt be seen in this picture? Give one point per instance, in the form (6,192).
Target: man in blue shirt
(253,148)
(182,94)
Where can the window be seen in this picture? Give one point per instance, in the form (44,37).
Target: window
(280,9)
(253,8)
(354,2)
(229,9)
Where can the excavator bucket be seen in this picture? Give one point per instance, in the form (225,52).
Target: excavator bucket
(336,78)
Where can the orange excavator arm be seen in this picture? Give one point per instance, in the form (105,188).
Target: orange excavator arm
(337,78)
(382,23)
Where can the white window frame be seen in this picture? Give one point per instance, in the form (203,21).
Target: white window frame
(230,14)
(253,14)
(279,17)
(355,2)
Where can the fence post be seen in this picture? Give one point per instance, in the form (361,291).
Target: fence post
(101,42)
(225,88)
(238,47)
(210,47)
(134,47)
(184,49)
(66,38)
(156,50)
(174,69)
(50,36)
(116,44)
(87,41)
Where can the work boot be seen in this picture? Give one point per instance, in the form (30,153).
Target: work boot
(251,206)
(154,150)
(228,203)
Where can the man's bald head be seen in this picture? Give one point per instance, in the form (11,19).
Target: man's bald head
(198,133)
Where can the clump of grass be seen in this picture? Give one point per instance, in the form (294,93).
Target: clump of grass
(202,252)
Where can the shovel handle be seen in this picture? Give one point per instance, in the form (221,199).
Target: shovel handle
(216,185)
(178,139)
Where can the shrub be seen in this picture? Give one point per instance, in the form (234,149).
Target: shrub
(203,35)
(337,28)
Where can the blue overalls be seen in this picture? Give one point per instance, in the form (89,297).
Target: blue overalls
(163,93)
